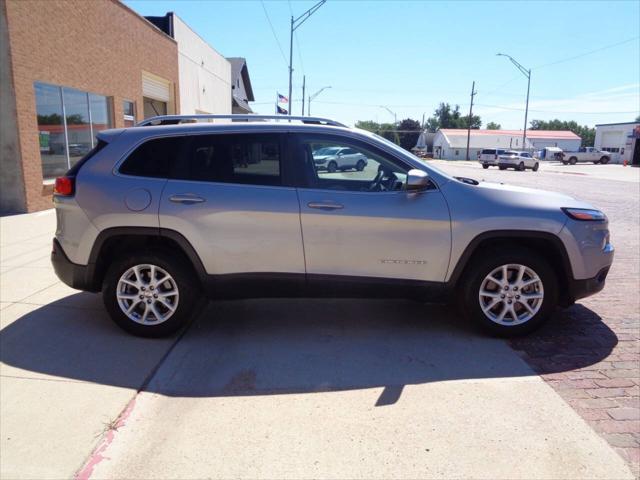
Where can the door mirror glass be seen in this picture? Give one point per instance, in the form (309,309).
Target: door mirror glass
(417,180)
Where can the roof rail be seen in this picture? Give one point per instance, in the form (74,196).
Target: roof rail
(175,119)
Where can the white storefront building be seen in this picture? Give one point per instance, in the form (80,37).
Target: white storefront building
(621,139)
(204,74)
(451,144)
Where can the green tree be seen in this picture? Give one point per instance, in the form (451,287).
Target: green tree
(586,133)
(447,117)
(409,131)
(386,130)
(493,126)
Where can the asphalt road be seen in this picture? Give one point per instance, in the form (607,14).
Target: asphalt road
(290,388)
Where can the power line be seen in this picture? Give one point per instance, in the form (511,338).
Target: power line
(274,32)
(568,59)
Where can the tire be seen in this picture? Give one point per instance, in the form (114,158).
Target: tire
(180,279)
(573,160)
(536,167)
(502,168)
(604,160)
(596,162)
(332,167)
(491,262)
(360,165)
(564,162)
(485,166)
(521,167)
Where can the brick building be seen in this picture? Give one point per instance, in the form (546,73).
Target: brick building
(68,69)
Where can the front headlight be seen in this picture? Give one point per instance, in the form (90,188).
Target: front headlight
(585,214)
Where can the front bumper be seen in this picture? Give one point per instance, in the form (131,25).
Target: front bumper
(587,287)
(80,277)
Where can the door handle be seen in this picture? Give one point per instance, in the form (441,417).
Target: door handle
(325,205)
(186,198)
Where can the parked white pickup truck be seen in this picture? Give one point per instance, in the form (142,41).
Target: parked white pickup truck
(586,154)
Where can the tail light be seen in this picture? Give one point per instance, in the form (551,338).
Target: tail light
(65,186)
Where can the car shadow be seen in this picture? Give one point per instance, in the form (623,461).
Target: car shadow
(280,346)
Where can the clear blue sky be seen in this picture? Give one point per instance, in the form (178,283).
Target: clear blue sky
(410,56)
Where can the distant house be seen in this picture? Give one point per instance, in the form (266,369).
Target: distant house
(451,144)
(241,91)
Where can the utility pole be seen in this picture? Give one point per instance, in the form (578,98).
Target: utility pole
(526,73)
(304,81)
(295,23)
(473,94)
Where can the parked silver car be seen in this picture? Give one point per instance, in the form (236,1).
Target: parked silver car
(518,161)
(160,217)
(333,159)
(488,157)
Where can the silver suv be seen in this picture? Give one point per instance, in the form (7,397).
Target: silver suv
(160,217)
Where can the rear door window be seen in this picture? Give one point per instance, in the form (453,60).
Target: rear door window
(237,158)
(154,158)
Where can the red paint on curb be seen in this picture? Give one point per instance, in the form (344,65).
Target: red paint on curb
(97,455)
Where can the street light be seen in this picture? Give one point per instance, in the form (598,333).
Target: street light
(311,97)
(526,73)
(294,26)
(395,117)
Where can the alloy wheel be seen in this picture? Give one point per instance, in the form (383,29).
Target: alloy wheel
(511,294)
(147,294)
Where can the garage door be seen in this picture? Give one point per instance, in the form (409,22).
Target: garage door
(610,139)
(156,88)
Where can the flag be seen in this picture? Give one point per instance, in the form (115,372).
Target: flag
(282,111)
(282,99)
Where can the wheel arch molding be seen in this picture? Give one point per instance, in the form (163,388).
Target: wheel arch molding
(112,240)
(547,244)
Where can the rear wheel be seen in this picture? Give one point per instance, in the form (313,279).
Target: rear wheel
(332,167)
(604,160)
(510,291)
(360,165)
(564,162)
(150,294)
(536,166)
(573,160)
(485,166)
(521,167)
(502,168)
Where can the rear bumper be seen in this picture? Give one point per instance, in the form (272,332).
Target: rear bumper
(80,277)
(587,287)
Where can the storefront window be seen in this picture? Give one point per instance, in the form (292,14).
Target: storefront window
(129,110)
(76,109)
(53,151)
(68,121)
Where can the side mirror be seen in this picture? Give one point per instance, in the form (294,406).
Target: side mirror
(417,180)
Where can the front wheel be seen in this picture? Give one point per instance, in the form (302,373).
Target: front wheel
(536,167)
(485,166)
(150,294)
(510,292)
(604,160)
